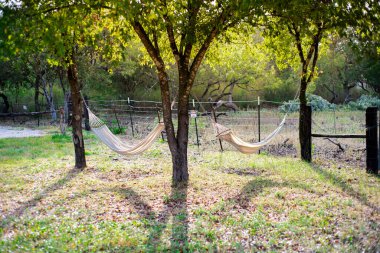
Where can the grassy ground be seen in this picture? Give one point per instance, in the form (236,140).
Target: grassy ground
(233,202)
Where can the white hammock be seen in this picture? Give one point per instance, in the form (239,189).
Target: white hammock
(114,143)
(228,135)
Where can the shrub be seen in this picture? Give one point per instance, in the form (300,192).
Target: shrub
(363,102)
(317,104)
(117,130)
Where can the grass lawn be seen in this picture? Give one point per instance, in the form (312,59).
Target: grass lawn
(233,202)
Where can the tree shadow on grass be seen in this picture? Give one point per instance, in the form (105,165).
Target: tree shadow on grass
(341,183)
(18,212)
(175,206)
(256,186)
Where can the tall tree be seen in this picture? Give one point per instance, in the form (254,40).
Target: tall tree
(310,21)
(179,32)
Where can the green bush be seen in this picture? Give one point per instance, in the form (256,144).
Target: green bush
(317,104)
(117,130)
(363,102)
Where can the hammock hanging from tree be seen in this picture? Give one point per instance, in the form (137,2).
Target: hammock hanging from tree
(226,134)
(101,130)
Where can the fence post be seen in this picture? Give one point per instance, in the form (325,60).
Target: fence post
(306,152)
(130,116)
(117,119)
(215,119)
(259,119)
(372,139)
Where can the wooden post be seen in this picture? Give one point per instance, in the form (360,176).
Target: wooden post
(130,116)
(258,119)
(220,141)
(372,139)
(306,152)
(86,116)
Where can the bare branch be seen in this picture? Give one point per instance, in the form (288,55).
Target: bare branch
(209,85)
(336,143)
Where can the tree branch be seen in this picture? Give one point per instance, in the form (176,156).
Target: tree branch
(207,88)
(152,51)
(170,32)
(336,143)
(297,36)
(317,39)
(206,44)
(192,21)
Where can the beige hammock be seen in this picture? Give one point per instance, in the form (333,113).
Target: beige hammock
(228,135)
(107,137)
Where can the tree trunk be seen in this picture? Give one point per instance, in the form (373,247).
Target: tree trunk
(304,133)
(303,122)
(177,145)
(66,107)
(37,91)
(6,102)
(52,107)
(48,93)
(180,164)
(72,75)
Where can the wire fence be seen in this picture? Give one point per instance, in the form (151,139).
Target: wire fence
(138,118)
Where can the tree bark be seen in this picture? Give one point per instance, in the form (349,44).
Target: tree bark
(6,102)
(37,83)
(180,163)
(72,74)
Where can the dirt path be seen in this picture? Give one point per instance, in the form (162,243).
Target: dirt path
(17,132)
